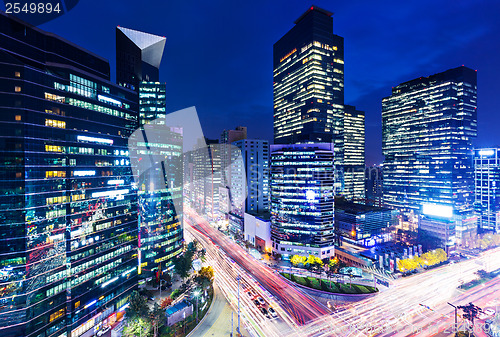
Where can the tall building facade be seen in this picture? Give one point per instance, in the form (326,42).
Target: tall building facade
(250,182)
(152,102)
(354,154)
(69,208)
(138,58)
(487,188)
(227,138)
(302,199)
(428,125)
(374,186)
(308,88)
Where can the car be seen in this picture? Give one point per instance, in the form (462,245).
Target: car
(490,312)
(261,300)
(249,293)
(264,312)
(272,312)
(103,331)
(256,302)
(487,313)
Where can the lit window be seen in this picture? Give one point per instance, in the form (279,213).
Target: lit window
(17,88)
(18,117)
(17,74)
(55,123)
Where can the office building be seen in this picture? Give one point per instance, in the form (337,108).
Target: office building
(373,186)
(249,183)
(428,126)
(308,88)
(227,138)
(487,188)
(205,179)
(138,57)
(354,154)
(257,230)
(302,199)
(69,207)
(152,102)
(362,224)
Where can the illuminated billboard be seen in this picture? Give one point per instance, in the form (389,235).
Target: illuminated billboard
(443,211)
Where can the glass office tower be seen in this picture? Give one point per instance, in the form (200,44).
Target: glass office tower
(302,199)
(487,188)
(354,154)
(428,125)
(308,64)
(69,207)
(138,58)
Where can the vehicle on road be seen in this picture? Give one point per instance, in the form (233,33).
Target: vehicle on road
(256,303)
(264,312)
(261,300)
(487,313)
(272,312)
(103,331)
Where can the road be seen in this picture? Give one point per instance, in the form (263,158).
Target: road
(393,312)
(217,321)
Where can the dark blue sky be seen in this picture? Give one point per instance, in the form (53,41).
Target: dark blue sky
(218,55)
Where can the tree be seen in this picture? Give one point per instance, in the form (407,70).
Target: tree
(297,260)
(157,316)
(138,307)
(205,276)
(137,327)
(183,264)
(166,302)
(175,294)
(207,272)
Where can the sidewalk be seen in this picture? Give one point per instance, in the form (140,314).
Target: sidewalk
(217,321)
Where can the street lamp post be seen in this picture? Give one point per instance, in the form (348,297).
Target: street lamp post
(161,280)
(238,278)
(197,294)
(456,323)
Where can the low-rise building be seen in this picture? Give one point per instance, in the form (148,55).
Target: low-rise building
(362,224)
(257,230)
(178,312)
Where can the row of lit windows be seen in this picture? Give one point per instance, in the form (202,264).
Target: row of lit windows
(55,123)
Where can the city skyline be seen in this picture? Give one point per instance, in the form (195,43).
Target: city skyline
(128,214)
(376,58)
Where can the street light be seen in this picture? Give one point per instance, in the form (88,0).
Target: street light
(196,294)
(161,280)
(456,323)
(238,278)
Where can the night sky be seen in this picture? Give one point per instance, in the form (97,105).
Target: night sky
(218,55)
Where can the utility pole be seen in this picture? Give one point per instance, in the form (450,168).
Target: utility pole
(456,322)
(232,314)
(238,278)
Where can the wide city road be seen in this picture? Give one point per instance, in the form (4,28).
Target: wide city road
(299,305)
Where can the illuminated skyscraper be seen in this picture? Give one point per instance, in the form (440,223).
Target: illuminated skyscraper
(487,188)
(308,88)
(227,137)
(138,57)
(354,154)
(302,199)
(69,209)
(250,182)
(428,126)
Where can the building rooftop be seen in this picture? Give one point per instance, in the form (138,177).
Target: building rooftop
(313,8)
(263,215)
(177,307)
